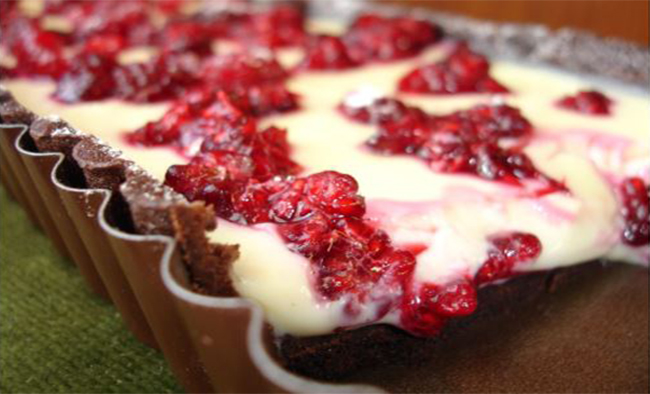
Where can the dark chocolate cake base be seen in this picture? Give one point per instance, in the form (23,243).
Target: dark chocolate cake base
(526,327)
(589,336)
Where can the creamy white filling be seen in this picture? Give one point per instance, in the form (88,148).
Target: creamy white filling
(451,214)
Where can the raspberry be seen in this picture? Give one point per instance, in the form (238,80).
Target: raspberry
(37,51)
(280,26)
(319,216)
(96,76)
(210,184)
(164,78)
(425,311)
(242,71)
(66,7)
(290,205)
(108,45)
(335,193)
(494,122)
(187,35)
(241,162)
(90,78)
(206,112)
(354,258)
(310,236)
(456,299)
(8,6)
(635,209)
(373,37)
(270,153)
(506,252)
(262,202)
(327,53)
(462,142)
(266,99)
(381,111)
(588,102)
(464,71)
(129,20)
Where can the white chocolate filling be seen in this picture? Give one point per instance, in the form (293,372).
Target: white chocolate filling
(451,214)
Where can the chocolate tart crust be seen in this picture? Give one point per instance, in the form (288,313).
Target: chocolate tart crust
(142,206)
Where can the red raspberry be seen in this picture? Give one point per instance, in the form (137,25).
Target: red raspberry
(38,52)
(327,53)
(425,311)
(589,102)
(242,71)
(373,37)
(463,71)
(90,78)
(462,142)
(506,252)
(636,211)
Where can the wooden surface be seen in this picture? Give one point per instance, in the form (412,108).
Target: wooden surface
(627,19)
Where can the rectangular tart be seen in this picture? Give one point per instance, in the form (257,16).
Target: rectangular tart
(216,340)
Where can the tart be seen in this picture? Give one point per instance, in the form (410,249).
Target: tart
(371,186)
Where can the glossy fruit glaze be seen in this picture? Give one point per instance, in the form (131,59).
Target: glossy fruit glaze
(470,141)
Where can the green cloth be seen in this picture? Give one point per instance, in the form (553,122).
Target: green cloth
(55,336)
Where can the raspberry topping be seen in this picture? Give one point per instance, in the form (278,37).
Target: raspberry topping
(102,27)
(108,45)
(588,102)
(370,38)
(505,254)
(38,52)
(327,53)
(242,70)
(96,77)
(280,26)
(187,35)
(636,212)
(90,78)
(464,71)
(194,117)
(383,110)
(205,112)
(8,6)
(232,169)
(246,175)
(424,311)
(8,11)
(349,255)
(426,308)
(318,216)
(373,37)
(163,78)
(58,7)
(130,20)
(470,141)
